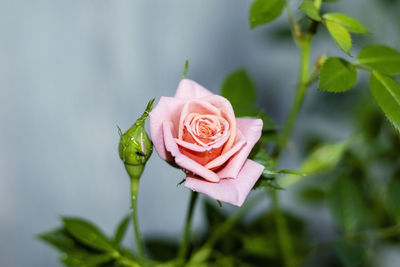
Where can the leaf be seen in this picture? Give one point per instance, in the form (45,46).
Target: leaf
(214,215)
(380,58)
(121,229)
(59,239)
(322,158)
(87,233)
(312,195)
(308,7)
(185,69)
(393,197)
(162,249)
(264,182)
(386,92)
(239,89)
(351,254)
(337,75)
(293,172)
(351,24)
(85,259)
(346,204)
(265,11)
(340,35)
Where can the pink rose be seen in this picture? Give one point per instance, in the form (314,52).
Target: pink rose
(199,132)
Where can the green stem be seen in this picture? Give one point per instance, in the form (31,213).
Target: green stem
(186,232)
(134,196)
(285,243)
(300,93)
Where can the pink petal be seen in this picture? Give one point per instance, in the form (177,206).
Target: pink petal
(182,160)
(227,155)
(227,112)
(251,130)
(196,106)
(233,191)
(190,89)
(167,109)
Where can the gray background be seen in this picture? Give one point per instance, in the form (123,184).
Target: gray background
(70,71)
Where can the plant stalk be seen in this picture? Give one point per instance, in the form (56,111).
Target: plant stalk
(134,196)
(188,225)
(280,221)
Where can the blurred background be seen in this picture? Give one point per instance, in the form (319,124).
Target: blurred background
(70,71)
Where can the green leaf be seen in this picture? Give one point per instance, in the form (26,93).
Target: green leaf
(321,159)
(121,229)
(265,11)
(293,172)
(346,203)
(239,89)
(162,249)
(350,254)
(380,58)
(351,24)
(214,215)
(308,7)
(313,195)
(393,198)
(337,75)
(185,69)
(85,259)
(386,92)
(264,182)
(87,233)
(340,35)
(59,239)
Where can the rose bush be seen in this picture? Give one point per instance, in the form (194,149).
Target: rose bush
(198,131)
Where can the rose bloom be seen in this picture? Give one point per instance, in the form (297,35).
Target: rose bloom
(198,131)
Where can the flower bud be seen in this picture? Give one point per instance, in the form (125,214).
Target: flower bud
(135,146)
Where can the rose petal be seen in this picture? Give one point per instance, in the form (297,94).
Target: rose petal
(233,191)
(167,109)
(228,154)
(251,130)
(196,106)
(190,89)
(227,112)
(182,160)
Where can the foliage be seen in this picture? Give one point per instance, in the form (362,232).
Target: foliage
(356,180)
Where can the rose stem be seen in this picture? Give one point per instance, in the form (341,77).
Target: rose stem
(304,43)
(134,196)
(186,231)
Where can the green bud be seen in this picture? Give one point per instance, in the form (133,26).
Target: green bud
(135,146)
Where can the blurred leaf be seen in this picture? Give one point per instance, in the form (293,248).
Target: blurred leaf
(291,172)
(308,7)
(321,159)
(380,58)
(351,24)
(350,254)
(337,75)
(340,35)
(87,233)
(121,229)
(239,89)
(264,182)
(386,92)
(265,11)
(261,246)
(312,194)
(185,69)
(161,249)
(346,203)
(59,239)
(84,259)
(393,197)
